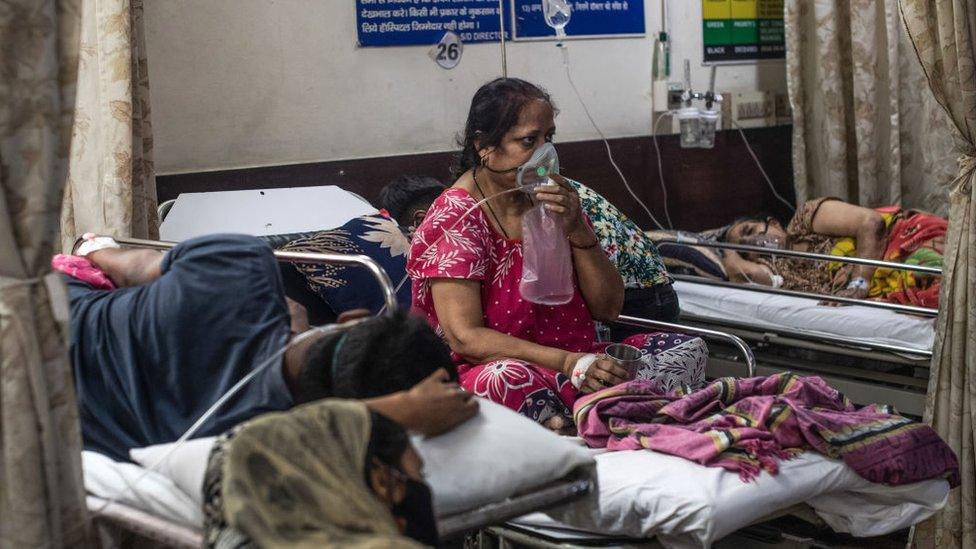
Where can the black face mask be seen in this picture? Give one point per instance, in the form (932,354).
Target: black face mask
(417,509)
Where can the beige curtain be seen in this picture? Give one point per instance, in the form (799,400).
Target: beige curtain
(944,35)
(865,128)
(111,184)
(41,493)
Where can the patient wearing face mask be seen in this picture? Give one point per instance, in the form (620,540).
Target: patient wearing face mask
(327,474)
(830,226)
(466,266)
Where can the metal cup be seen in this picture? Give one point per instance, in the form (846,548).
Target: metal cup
(627,356)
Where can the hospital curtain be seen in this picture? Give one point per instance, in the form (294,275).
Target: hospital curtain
(944,35)
(42,500)
(111,185)
(865,128)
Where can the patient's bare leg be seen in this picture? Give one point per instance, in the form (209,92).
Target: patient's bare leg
(128,267)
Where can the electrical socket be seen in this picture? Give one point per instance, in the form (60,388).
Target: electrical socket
(753,109)
(784,112)
(675,89)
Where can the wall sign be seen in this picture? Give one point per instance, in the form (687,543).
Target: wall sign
(743,30)
(590,19)
(424,22)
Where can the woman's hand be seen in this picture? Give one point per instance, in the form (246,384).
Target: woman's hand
(603,373)
(852,293)
(560,199)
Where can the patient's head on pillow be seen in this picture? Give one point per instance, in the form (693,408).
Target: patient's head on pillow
(408,198)
(393,470)
(380,356)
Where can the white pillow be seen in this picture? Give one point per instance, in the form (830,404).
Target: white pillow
(186,466)
(493,456)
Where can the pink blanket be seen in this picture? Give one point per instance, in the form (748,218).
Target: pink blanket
(747,425)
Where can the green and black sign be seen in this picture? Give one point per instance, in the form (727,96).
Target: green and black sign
(743,30)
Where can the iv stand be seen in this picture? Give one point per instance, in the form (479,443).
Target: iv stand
(501,28)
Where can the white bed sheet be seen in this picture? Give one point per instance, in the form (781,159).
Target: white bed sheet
(135,486)
(777,311)
(639,494)
(644,494)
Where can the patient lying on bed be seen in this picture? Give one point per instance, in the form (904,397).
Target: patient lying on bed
(832,227)
(156,339)
(340,475)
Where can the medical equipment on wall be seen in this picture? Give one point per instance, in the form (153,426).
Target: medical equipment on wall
(547,261)
(557,14)
(697,126)
(660,72)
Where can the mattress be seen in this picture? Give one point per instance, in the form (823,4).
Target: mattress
(639,494)
(775,312)
(644,494)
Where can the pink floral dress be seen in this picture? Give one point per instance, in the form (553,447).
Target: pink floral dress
(452,243)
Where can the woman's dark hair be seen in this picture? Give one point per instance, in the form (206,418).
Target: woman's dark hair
(495,108)
(408,193)
(387,443)
(378,357)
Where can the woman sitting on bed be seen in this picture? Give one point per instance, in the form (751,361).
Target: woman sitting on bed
(532,358)
(833,227)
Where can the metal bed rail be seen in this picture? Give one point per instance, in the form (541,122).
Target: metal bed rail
(736,341)
(770,335)
(896,307)
(389,295)
(805,255)
(496,513)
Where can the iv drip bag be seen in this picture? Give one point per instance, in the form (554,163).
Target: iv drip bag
(557,14)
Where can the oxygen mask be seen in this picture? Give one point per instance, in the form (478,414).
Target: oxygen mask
(764,240)
(536,171)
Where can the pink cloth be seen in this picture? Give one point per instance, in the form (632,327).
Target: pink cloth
(747,425)
(82,269)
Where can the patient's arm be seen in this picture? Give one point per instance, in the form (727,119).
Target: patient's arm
(431,407)
(740,269)
(458,306)
(128,267)
(836,218)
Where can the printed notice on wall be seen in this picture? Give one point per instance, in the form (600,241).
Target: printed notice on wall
(743,30)
(589,19)
(424,22)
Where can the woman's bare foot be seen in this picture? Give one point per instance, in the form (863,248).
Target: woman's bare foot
(560,425)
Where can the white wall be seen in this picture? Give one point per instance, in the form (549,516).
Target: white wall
(240,83)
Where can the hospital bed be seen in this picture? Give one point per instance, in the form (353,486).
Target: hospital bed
(134,506)
(872,351)
(579,509)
